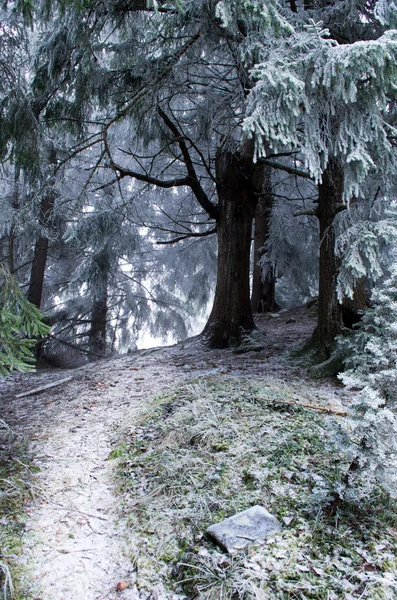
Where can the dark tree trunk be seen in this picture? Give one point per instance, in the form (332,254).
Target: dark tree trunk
(263,286)
(352,308)
(39,263)
(330,324)
(36,283)
(238,184)
(97,333)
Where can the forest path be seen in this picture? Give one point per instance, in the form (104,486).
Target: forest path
(74,544)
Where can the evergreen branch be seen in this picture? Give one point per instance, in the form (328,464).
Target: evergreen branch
(309,212)
(78,150)
(125,6)
(152,298)
(74,347)
(141,93)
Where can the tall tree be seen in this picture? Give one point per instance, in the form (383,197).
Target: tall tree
(195,76)
(337,112)
(263,296)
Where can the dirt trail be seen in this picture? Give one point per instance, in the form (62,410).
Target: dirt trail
(74,544)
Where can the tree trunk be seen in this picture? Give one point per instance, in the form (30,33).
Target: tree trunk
(36,283)
(238,184)
(352,308)
(329,324)
(97,333)
(263,284)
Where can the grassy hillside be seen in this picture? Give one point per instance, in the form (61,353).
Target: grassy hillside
(213,447)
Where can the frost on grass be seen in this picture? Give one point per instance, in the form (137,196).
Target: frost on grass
(213,448)
(15,489)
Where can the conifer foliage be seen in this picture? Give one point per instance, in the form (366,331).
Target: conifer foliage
(372,373)
(20,324)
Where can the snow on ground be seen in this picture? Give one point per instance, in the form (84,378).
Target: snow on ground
(74,543)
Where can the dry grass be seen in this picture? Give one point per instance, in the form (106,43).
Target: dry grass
(212,448)
(15,490)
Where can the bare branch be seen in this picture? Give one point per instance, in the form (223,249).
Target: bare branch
(187,236)
(168,183)
(286,168)
(309,212)
(193,181)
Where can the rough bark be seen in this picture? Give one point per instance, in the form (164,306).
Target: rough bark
(330,322)
(263,287)
(238,185)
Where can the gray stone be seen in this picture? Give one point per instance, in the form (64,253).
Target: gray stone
(248,527)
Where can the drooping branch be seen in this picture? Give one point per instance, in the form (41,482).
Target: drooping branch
(145,88)
(128,6)
(309,212)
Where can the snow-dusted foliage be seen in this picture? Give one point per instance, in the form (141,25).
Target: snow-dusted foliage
(371,436)
(135,92)
(366,233)
(292,246)
(329,100)
(386,12)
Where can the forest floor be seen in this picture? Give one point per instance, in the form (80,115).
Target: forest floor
(94,526)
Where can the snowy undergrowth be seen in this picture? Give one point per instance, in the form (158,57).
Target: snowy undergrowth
(219,445)
(15,490)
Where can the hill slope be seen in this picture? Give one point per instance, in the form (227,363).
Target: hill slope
(197,435)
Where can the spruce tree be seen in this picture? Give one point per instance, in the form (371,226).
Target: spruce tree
(370,438)
(20,323)
(333,103)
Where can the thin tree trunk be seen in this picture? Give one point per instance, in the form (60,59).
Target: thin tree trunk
(97,334)
(329,325)
(36,283)
(239,183)
(263,285)
(39,263)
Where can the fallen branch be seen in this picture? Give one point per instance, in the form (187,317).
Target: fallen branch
(333,411)
(42,388)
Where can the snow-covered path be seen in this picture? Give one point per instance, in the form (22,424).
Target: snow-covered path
(74,545)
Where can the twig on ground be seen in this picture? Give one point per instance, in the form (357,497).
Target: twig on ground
(43,388)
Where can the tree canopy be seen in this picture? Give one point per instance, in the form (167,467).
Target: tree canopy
(135,122)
